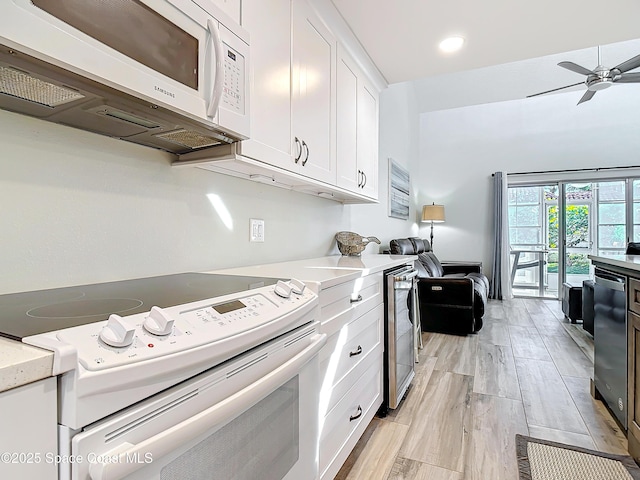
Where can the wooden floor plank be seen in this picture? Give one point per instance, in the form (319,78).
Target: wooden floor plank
(607,435)
(439,435)
(517,316)
(405,469)
(382,448)
(410,407)
(548,325)
(547,401)
(496,421)
(526,342)
(495,333)
(455,353)
(583,339)
(495,311)
(568,357)
(561,436)
(496,372)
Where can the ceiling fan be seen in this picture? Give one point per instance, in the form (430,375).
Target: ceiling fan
(600,77)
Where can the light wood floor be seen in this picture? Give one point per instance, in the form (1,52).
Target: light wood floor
(527,371)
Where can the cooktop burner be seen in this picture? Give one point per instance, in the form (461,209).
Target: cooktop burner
(31,313)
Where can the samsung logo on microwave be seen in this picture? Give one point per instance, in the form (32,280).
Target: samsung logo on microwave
(166,92)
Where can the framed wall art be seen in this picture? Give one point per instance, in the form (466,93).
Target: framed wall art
(398,190)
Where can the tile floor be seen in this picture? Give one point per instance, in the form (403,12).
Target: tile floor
(527,371)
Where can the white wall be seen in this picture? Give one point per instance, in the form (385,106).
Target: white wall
(461,148)
(77,207)
(398,139)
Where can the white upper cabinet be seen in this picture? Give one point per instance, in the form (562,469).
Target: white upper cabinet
(269,24)
(349,175)
(230,7)
(313,98)
(292,88)
(314,117)
(357,129)
(367,137)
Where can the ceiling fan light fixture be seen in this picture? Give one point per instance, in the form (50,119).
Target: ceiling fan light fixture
(599,84)
(452,44)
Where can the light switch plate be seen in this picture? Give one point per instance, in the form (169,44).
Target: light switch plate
(256,230)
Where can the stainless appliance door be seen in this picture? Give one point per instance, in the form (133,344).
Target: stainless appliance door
(400,332)
(255,416)
(610,341)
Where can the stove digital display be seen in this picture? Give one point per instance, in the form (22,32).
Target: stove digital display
(229,306)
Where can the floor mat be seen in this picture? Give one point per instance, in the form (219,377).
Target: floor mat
(545,460)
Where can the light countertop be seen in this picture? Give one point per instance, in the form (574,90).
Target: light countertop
(630,262)
(21,364)
(326,271)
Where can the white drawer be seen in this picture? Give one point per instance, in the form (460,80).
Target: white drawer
(342,358)
(357,406)
(347,301)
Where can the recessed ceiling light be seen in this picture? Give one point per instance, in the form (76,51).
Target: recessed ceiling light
(451,44)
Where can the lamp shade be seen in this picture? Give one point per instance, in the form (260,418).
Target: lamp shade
(433,213)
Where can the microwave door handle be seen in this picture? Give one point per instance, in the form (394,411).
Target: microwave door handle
(216,91)
(166,441)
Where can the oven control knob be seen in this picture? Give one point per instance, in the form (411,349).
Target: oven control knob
(116,333)
(297,286)
(283,289)
(158,322)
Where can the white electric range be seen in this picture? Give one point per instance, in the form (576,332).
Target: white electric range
(139,360)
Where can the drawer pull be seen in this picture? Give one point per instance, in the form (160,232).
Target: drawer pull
(357,352)
(357,415)
(354,300)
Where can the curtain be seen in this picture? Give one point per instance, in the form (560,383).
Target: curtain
(500,272)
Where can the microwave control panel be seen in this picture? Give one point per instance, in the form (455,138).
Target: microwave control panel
(234,80)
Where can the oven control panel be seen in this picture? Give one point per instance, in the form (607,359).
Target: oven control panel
(243,320)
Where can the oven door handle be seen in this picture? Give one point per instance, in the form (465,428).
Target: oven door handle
(165,442)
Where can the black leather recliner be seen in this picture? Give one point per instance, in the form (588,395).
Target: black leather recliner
(452,297)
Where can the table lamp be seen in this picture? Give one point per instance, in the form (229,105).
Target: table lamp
(433,213)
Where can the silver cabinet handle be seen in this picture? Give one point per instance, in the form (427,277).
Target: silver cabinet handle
(357,415)
(364,179)
(356,300)
(306,158)
(359,178)
(357,352)
(299,148)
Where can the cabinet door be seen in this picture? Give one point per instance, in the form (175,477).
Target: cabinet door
(313,99)
(230,7)
(633,384)
(349,175)
(29,430)
(357,129)
(269,24)
(367,137)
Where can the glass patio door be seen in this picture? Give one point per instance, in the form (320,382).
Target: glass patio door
(578,231)
(532,273)
(612,217)
(554,227)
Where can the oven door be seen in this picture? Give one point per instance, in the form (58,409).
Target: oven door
(256,416)
(173,54)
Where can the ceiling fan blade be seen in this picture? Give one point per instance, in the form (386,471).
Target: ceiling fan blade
(555,89)
(588,95)
(628,65)
(574,67)
(629,78)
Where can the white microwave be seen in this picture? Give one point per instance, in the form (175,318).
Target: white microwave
(170,74)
